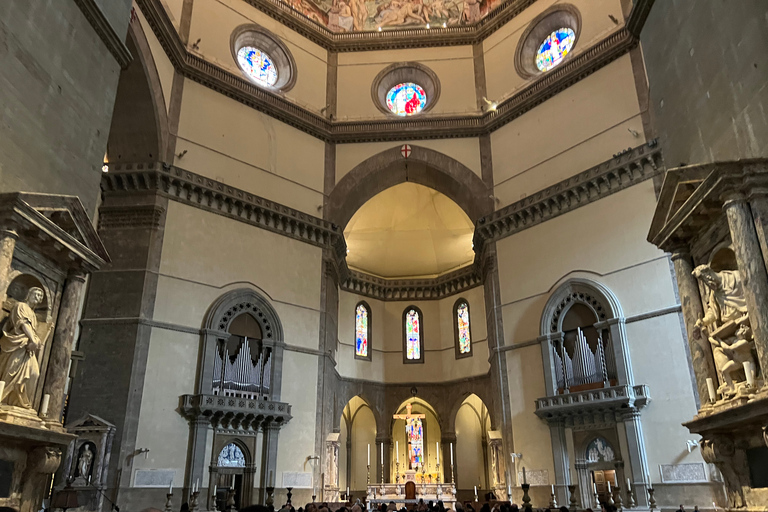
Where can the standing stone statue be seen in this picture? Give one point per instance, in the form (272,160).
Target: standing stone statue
(84,462)
(19,345)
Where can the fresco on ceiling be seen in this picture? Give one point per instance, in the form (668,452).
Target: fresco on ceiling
(362,15)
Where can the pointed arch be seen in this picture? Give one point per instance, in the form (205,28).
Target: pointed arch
(596,296)
(424,166)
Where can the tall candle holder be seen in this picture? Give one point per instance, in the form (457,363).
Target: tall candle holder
(526,497)
(169,502)
(651,499)
(453,475)
(438,473)
(290,494)
(214,505)
(368,478)
(270,495)
(597,499)
(193,504)
(572,490)
(553,499)
(397,472)
(617,498)
(630,497)
(230,503)
(609,499)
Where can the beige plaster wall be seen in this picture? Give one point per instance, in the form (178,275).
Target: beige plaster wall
(466,151)
(605,242)
(163,65)
(205,256)
(440,363)
(213,22)
(453,66)
(173,8)
(502,80)
(244,148)
(469,455)
(363,434)
(580,127)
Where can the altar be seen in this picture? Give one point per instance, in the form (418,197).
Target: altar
(386,493)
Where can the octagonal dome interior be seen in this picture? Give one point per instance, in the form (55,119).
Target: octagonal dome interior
(409,230)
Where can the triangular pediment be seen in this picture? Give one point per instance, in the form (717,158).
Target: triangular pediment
(678,186)
(90,422)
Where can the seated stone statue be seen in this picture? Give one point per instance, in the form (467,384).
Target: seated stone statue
(19,345)
(726,296)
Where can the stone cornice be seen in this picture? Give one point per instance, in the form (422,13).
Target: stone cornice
(618,173)
(106,33)
(586,406)
(216,197)
(412,289)
(428,126)
(238,413)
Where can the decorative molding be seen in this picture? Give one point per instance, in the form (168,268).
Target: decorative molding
(692,472)
(216,197)
(623,171)
(236,413)
(106,33)
(139,216)
(427,126)
(436,288)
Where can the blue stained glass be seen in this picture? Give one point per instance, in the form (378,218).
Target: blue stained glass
(257,65)
(406,99)
(554,48)
(361,331)
(412,335)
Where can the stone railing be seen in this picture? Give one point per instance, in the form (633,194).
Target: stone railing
(236,413)
(615,400)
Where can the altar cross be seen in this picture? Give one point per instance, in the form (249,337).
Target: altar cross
(413,434)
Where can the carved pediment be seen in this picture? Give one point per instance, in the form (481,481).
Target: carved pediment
(56,226)
(90,423)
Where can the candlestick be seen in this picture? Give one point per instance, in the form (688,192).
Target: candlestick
(553,500)
(524,480)
(572,490)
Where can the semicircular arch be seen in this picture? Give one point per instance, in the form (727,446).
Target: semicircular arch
(423,166)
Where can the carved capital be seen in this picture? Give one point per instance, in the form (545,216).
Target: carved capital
(43,459)
(717,449)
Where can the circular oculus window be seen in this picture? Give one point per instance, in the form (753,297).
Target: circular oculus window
(554,48)
(406,99)
(263,58)
(405,89)
(257,64)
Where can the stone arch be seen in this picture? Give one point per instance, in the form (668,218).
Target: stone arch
(216,327)
(424,166)
(224,441)
(597,297)
(459,401)
(139,130)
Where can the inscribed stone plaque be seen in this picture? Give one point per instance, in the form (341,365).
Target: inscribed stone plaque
(692,472)
(534,476)
(153,477)
(297,480)
(6,475)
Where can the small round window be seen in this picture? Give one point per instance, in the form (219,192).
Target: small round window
(406,99)
(257,64)
(554,48)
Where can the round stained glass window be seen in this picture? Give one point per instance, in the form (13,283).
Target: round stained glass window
(406,99)
(257,65)
(554,48)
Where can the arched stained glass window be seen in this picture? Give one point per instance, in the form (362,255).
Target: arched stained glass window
(406,99)
(258,65)
(554,48)
(362,331)
(463,335)
(231,456)
(413,331)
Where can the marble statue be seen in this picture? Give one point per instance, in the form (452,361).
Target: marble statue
(730,354)
(19,346)
(725,324)
(725,300)
(84,462)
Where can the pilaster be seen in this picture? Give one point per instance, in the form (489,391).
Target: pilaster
(561,460)
(8,239)
(638,461)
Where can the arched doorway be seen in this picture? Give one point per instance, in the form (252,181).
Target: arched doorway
(357,436)
(231,473)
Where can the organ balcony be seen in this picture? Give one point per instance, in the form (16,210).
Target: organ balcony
(604,405)
(239,413)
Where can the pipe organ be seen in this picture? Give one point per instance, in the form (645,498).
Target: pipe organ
(580,363)
(242,373)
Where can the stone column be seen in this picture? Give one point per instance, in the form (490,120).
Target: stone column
(61,347)
(269,460)
(8,239)
(758,204)
(752,269)
(638,461)
(618,332)
(690,302)
(561,460)
(199,428)
(446,440)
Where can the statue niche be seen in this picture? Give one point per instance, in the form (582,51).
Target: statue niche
(726,325)
(21,346)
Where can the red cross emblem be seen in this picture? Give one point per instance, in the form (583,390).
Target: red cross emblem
(405,150)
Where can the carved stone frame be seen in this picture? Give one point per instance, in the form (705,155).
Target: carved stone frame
(420,360)
(557,16)
(405,72)
(370,331)
(257,36)
(455,321)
